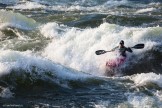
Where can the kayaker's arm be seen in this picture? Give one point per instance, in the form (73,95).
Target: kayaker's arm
(129,49)
(114,48)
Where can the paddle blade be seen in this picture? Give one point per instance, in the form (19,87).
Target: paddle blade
(139,46)
(99,52)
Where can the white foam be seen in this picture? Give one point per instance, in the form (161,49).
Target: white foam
(112,3)
(9,18)
(79,6)
(146,78)
(83,5)
(4,69)
(28,5)
(76,48)
(143,101)
(6,93)
(50,33)
(158,94)
(146,10)
(15,60)
(102,104)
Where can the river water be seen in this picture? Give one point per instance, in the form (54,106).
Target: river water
(48,60)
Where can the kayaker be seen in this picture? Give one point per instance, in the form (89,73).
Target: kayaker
(112,64)
(122,49)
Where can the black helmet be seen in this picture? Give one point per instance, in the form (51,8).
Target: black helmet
(121,42)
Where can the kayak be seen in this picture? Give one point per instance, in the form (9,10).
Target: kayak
(114,63)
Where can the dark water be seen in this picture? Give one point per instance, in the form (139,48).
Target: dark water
(48,60)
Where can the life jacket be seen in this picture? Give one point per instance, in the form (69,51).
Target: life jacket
(122,51)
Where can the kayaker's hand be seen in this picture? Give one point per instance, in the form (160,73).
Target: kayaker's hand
(129,50)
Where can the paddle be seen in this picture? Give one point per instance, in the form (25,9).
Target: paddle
(138,46)
(99,52)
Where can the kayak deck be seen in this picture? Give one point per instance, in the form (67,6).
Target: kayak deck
(113,64)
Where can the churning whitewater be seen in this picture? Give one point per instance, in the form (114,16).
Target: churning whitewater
(47,53)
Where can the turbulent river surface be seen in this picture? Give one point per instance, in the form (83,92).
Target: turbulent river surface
(48,60)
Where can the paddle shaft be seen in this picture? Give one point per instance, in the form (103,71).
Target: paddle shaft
(138,46)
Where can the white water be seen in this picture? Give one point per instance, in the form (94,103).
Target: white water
(146,78)
(16,60)
(138,99)
(76,48)
(83,5)
(141,101)
(71,51)
(27,5)
(6,93)
(146,10)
